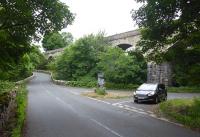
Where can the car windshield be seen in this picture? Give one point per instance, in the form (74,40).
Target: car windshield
(148,87)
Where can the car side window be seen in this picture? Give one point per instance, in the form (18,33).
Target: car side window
(161,86)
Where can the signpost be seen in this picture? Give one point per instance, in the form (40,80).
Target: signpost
(101,80)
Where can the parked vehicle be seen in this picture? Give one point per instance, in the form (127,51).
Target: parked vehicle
(150,92)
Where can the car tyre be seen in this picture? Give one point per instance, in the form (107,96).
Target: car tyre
(136,101)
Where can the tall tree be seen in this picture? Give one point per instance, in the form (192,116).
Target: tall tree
(24,20)
(120,67)
(171,31)
(80,58)
(167,23)
(56,40)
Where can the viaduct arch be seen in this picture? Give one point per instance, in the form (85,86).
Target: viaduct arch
(156,73)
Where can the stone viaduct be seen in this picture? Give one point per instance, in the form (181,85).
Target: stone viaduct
(156,73)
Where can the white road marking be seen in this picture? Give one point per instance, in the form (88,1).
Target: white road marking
(65,104)
(60,100)
(152,115)
(150,112)
(74,93)
(48,92)
(135,110)
(107,128)
(130,106)
(121,102)
(120,106)
(99,100)
(166,120)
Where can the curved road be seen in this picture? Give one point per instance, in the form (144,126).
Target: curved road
(57,111)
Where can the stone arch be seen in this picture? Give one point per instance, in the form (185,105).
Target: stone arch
(124,46)
(50,58)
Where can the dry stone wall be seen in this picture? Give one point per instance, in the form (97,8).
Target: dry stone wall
(159,73)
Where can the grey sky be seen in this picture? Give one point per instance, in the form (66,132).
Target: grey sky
(92,16)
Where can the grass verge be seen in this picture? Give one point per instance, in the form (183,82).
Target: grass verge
(20,111)
(108,95)
(14,126)
(185,111)
(184,89)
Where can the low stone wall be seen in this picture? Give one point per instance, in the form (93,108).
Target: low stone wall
(159,73)
(43,71)
(6,109)
(57,82)
(25,80)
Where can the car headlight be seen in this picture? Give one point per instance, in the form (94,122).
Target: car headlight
(151,93)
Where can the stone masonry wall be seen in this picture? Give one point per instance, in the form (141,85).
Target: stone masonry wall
(159,73)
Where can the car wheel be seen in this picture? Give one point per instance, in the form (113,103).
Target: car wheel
(156,100)
(136,101)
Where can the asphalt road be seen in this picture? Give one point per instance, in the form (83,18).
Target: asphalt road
(57,111)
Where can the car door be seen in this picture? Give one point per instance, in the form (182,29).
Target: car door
(161,88)
(159,92)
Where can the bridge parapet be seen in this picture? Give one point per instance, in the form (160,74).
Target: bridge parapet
(54,53)
(124,35)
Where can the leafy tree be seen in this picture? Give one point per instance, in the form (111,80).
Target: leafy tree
(80,59)
(37,58)
(18,71)
(67,37)
(186,66)
(171,31)
(168,23)
(29,61)
(22,21)
(56,40)
(119,67)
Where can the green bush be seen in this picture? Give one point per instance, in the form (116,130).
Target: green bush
(184,89)
(6,86)
(185,111)
(120,86)
(81,84)
(15,124)
(80,59)
(119,67)
(100,91)
(21,111)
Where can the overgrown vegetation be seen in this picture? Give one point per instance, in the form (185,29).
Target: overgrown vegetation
(82,83)
(20,111)
(23,22)
(170,31)
(56,40)
(100,91)
(121,86)
(29,61)
(79,59)
(184,89)
(109,95)
(6,86)
(121,68)
(185,111)
(15,123)
(83,60)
